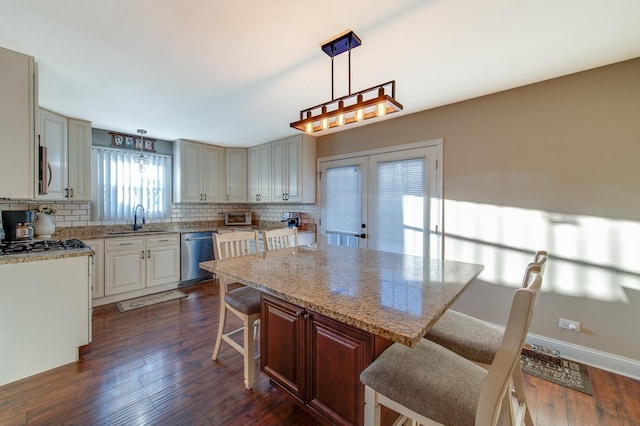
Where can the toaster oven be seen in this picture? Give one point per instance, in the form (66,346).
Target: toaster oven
(233,219)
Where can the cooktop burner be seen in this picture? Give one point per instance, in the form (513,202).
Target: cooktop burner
(39,246)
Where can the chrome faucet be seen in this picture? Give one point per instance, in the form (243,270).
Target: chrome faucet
(135,217)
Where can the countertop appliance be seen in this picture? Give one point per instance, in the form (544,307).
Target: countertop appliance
(17,225)
(235,218)
(292,219)
(195,247)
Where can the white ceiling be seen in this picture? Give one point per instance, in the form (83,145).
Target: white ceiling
(236,73)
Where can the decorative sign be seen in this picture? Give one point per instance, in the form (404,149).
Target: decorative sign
(121,140)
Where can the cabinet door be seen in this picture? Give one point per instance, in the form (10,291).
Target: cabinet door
(279,163)
(191,172)
(294,168)
(337,355)
(253,174)
(97,283)
(163,265)
(79,160)
(236,176)
(124,261)
(18,123)
(163,259)
(264,160)
(54,135)
(282,349)
(213,174)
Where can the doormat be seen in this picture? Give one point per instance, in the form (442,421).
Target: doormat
(152,299)
(569,374)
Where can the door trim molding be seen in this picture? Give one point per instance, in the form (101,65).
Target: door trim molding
(393,148)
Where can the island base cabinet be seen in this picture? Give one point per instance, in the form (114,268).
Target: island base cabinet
(316,359)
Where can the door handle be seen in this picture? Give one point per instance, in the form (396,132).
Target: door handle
(360,235)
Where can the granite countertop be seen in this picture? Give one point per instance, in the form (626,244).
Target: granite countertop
(394,296)
(118,231)
(44,255)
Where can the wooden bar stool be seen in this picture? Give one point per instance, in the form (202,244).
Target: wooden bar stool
(244,301)
(280,238)
(431,384)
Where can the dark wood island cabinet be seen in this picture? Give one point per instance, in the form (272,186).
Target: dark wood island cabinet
(316,359)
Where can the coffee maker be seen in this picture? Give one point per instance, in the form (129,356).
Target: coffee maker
(17,225)
(292,219)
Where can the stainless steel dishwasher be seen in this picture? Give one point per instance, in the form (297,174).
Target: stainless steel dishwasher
(195,247)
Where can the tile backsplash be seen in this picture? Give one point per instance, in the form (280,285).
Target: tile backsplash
(79,213)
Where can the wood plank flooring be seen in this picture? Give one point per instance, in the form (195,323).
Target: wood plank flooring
(152,366)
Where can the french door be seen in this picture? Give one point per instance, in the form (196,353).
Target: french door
(387,201)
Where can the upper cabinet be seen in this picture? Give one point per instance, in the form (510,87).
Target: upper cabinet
(259,174)
(67,175)
(236,176)
(198,172)
(294,169)
(18,101)
(283,171)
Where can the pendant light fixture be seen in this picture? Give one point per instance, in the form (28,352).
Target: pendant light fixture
(142,159)
(375,101)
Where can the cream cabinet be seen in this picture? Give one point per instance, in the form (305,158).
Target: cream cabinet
(97,278)
(294,169)
(135,263)
(68,143)
(198,172)
(259,174)
(18,104)
(236,176)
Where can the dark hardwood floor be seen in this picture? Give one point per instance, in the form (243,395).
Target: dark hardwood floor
(152,366)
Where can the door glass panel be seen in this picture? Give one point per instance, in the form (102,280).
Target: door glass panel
(343,205)
(400,207)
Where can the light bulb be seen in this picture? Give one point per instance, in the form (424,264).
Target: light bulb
(340,120)
(308,127)
(359,115)
(324,123)
(381,109)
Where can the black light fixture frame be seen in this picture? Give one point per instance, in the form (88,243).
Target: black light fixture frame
(363,99)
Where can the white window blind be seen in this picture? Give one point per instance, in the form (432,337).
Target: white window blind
(118,184)
(401,206)
(344,206)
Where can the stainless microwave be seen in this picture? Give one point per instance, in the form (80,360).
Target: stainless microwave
(231,219)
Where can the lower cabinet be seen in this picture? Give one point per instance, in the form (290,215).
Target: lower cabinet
(316,359)
(134,263)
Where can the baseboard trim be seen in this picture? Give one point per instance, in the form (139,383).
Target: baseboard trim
(602,360)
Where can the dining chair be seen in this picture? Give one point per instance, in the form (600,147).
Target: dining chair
(280,238)
(479,340)
(431,384)
(243,301)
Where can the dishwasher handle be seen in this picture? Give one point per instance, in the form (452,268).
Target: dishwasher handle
(197,238)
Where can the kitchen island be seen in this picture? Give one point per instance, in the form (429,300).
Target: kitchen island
(45,310)
(328,313)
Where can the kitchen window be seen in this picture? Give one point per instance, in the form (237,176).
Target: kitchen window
(119,184)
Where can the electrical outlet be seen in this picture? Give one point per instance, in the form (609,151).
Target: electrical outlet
(569,325)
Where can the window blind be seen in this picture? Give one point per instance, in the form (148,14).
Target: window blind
(119,184)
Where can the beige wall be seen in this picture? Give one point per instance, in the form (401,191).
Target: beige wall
(549,166)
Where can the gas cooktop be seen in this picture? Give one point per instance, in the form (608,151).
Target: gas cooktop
(18,247)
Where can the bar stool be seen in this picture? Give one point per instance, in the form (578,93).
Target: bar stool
(280,238)
(430,383)
(244,301)
(479,340)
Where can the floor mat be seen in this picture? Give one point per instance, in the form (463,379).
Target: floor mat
(567,373)
(152,299)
